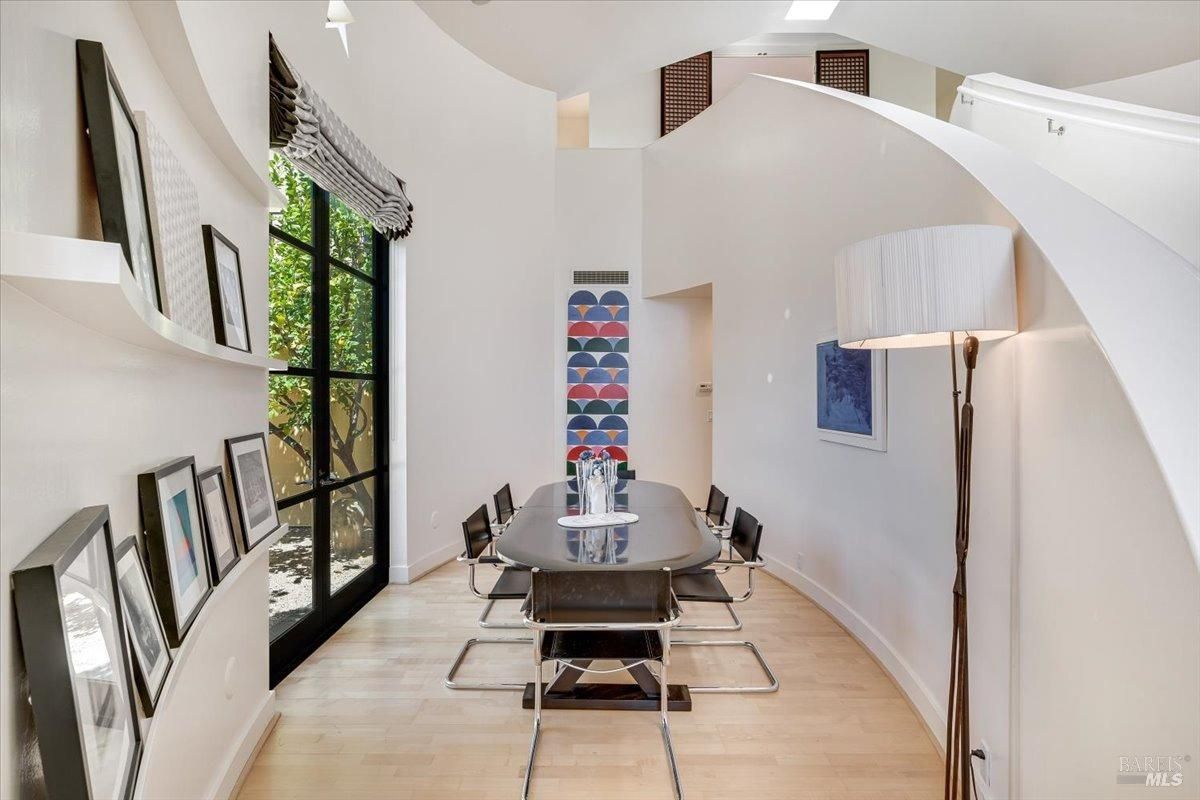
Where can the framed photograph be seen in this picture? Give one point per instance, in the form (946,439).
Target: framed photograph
(218,523)
(225,287)
(81,689)
(147,639)
(117,163)
(252,488)
(175,544)
(851,395)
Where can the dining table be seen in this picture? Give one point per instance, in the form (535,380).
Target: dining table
(669,534)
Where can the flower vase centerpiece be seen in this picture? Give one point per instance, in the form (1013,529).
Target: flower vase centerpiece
(596,482)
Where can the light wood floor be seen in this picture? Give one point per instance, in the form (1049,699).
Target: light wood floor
(367,716)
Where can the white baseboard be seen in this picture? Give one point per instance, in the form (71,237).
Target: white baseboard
(932,712)
(245,748)
(407,573)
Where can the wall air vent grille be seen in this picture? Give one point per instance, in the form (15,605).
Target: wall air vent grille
(848,70)
(608,277)
(686,90)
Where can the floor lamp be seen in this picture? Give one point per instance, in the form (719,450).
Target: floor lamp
(923,288)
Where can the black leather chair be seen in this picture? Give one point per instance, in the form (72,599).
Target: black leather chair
(584,615)
(714,509)
(704,586)
(512,584)
(504,507)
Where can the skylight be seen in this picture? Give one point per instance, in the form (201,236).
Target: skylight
(811,9)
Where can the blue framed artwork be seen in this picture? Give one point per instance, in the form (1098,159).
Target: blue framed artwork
(851,395)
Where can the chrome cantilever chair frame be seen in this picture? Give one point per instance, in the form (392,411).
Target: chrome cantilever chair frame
(479,552)
(496,563)
(462,654)
(664,630)
(773,682)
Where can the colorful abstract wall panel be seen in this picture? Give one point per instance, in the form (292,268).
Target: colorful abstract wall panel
(598,375)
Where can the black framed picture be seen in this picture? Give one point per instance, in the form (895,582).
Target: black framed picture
(117,164)
(147,639)
(225,287)
(218,523)
(81,689)
(175,545)
(252,487)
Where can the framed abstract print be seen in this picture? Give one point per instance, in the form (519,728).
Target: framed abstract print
(175,545)
(851,395)
(225,288)
(117,164)
(252,488)
(147,639)
(69,614)
(218,523)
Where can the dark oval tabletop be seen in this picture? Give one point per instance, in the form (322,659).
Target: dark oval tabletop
(669,532)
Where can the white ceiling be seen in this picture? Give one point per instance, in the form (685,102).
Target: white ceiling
(572,46)
(1062,43)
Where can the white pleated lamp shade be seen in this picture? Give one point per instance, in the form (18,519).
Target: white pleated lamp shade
(914,288)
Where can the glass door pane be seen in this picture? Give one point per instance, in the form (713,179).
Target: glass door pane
(352,532)
(327,415)
(291,569)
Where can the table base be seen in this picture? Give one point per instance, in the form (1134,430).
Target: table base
(611,697)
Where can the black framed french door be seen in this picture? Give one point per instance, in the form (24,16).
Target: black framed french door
(328,416)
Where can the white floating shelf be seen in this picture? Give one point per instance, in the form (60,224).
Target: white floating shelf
(89,282)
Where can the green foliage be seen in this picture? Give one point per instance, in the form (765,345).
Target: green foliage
(351,331)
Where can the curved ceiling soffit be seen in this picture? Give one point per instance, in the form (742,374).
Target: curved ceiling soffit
(570,47)
(1060,44)
(1091,248)
(166,35)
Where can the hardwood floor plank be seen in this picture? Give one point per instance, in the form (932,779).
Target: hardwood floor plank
(367,715)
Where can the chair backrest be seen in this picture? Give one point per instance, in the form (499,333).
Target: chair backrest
(718,503)
(745,534)
(596,596)
(627,474)
(504,504)
(477,532)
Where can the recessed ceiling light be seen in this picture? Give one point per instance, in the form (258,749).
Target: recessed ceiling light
(811,9)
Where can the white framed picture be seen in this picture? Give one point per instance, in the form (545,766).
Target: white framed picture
(851,395)
(252,488)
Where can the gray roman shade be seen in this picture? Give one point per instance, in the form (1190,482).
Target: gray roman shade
(316,140)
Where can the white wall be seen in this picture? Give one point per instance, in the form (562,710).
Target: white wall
(83,415)
(1140,162)
(626,113)
(475,295)
(728,71)
(1058,489)
(476,149)
(903,81)
(598,225)
(1174,88)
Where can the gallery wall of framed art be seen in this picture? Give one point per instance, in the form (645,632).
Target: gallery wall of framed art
(112,408)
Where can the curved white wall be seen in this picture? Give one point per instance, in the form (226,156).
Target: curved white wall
(476,149)
(83,414)
(1141,162)
(753,198)
(1174,88)
(472,296)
